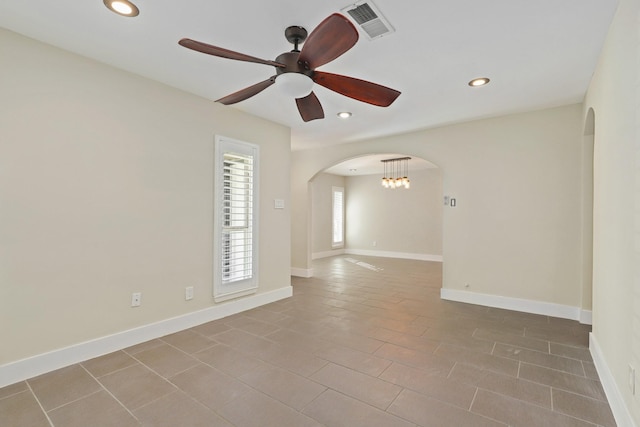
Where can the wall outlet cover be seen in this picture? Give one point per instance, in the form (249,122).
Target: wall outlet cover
(136,299)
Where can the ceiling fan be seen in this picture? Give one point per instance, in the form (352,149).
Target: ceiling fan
(331,38)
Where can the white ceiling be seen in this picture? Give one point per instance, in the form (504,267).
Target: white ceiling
(538,54)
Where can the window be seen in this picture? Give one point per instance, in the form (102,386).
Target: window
(337,206)
(236,212)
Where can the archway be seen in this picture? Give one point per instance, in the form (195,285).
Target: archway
(588,141)
(381,222)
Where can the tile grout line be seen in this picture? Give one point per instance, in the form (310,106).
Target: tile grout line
(109,393)
(473,399)
(111,372)
(40,404)
(17,392)
(75,400)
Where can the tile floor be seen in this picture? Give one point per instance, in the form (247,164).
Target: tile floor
(366,342)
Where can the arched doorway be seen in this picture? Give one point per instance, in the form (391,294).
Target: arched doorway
(399,223)
(588,140)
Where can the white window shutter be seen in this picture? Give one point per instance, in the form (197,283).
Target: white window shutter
(235,250)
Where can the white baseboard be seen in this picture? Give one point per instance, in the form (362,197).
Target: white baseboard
(586,317)
(517,304)
(327,254)
(389,254)
(302,272)
(21,370)
(616,401)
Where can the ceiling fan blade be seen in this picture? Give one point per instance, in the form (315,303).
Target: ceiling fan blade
(247,92)
(224,53)
(310,108)
(330,39)
(360,90)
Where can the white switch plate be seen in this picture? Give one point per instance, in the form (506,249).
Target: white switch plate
(278,203)
(188,293)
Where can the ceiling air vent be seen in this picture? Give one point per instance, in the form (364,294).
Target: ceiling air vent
(369,18)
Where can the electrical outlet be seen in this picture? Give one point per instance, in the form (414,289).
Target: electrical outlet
(632,379)
(188,293)
(136,299)
(375,243)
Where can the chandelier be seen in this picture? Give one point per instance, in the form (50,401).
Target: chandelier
(396,173)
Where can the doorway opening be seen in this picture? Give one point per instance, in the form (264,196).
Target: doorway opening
(379,221)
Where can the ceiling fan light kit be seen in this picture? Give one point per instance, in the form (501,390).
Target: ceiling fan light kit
(295,85)
(296,70)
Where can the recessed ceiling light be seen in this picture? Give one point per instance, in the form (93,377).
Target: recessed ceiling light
(481,81)
(122,7)
(344,114)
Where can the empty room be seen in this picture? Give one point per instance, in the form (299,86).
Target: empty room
(336,214)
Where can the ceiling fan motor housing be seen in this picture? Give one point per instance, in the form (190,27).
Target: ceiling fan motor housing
(292,64)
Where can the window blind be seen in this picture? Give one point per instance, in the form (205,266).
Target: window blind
(237,222)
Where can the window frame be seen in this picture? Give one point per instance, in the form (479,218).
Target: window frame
(224,289)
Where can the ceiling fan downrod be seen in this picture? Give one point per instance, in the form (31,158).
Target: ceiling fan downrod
(295,35)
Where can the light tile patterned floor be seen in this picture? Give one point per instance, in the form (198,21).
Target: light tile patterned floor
(366,342)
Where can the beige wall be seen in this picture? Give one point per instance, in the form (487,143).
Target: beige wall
(614,96)
(516,230)
(399,221)
(106,183)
